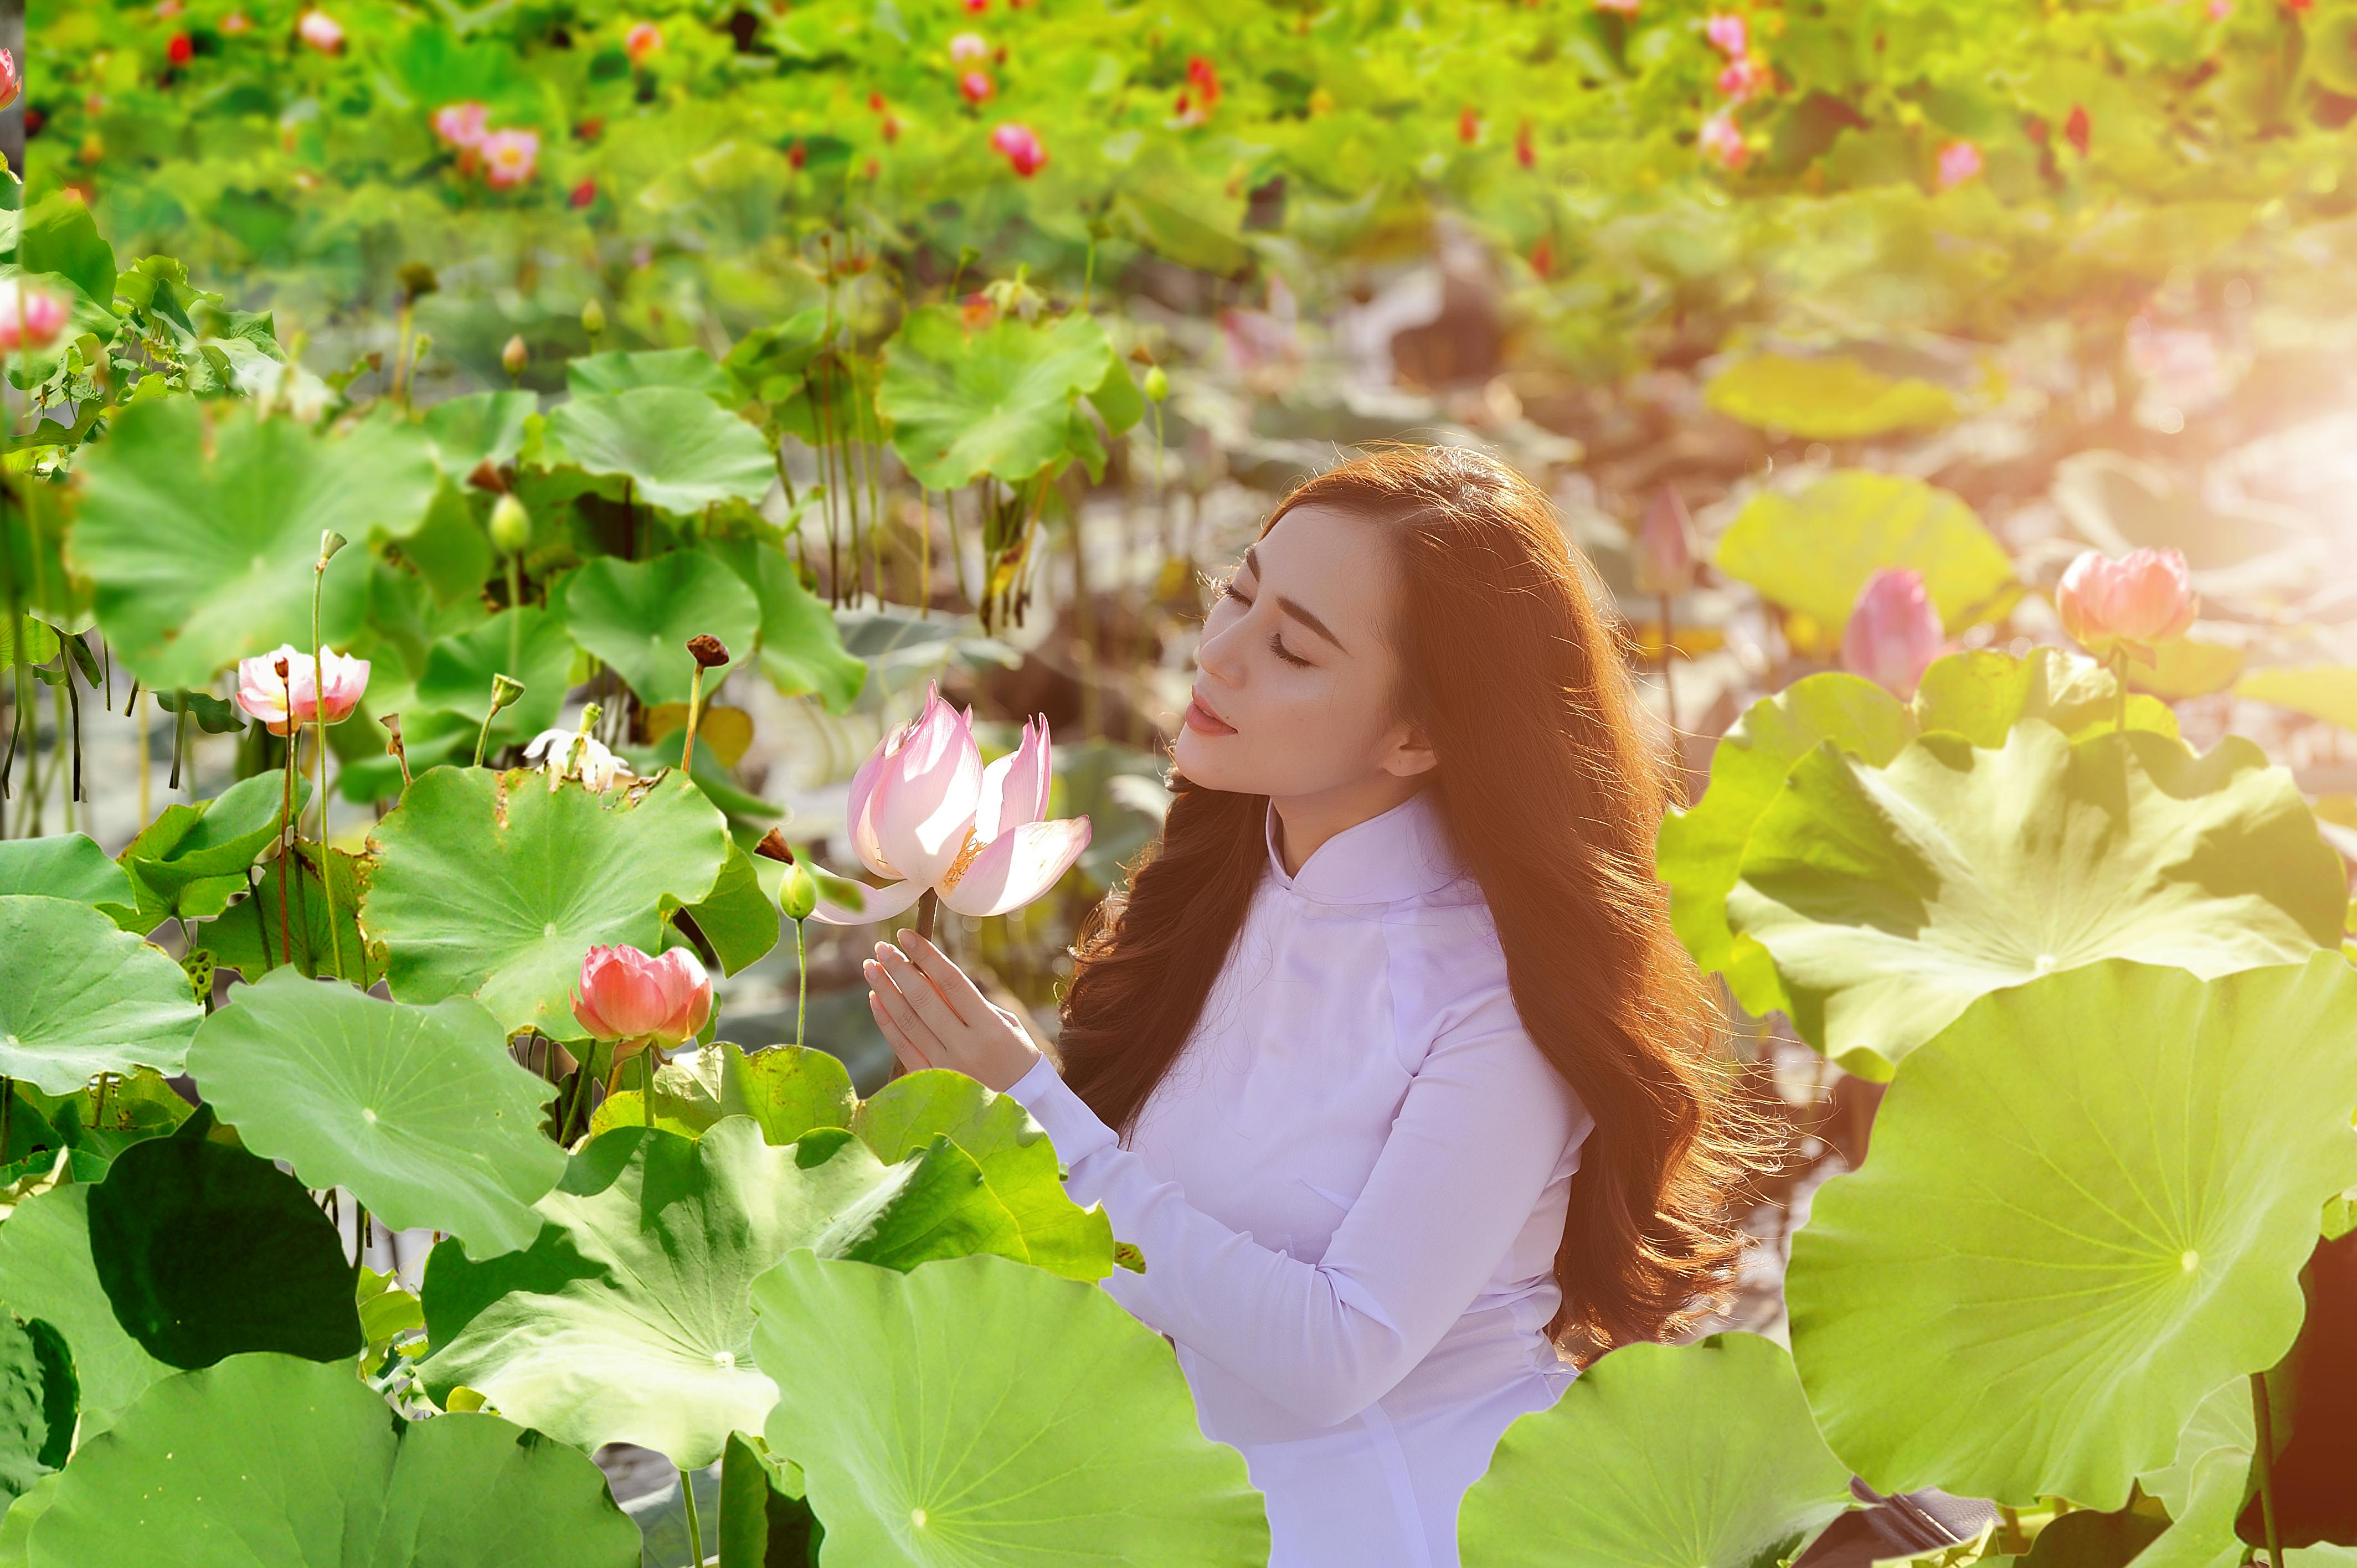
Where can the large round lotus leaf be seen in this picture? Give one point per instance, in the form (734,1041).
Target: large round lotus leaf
(638,616)
(997,402)
(528,645)
(63,866)
(679,449)
(36,1403)
(628,1320)
(1891,899)
(1813,551)
(801,646)
(492,885)
(1699,1455)
(271,1462)
(206,1251)
(2086,1206)
(1018,1161)
(419,1112)
(617,371)
(1980,695)
(477,428)
(976,1412)
(1835,398)
(46,1272)
(79,996)
(199,528)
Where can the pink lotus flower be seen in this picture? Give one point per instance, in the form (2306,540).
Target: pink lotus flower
(1727,34)
(30,318)
(1020,146)
(642,40)
(1721,140)
(1959,161)
(923,809)
(1665,542)
(625,995)
(465,126)
(1626,7)
(287,698)
(321,31)
(2221,9)
(2143,598)
(12,81)
(511,157)
(967,46)
(2078,130)
(1744,77)
(975,87)
(237,22)
(1893,632)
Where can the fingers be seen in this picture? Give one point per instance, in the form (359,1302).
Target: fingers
(960,993)
(900,1030)
(923,994)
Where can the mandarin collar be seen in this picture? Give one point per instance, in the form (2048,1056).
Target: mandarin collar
(1394,855)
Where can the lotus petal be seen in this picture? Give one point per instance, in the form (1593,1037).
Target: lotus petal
(1017,866)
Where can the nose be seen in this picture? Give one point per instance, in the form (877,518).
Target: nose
(1219,653)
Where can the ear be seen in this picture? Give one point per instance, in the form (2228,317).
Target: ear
(1410,754)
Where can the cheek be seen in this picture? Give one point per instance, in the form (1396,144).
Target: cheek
(1304,731)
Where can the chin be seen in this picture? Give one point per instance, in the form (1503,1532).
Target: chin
(1200,759)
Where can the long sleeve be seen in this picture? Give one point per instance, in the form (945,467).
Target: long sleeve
(1485,1126)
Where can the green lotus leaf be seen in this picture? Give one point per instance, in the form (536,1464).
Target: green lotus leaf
(419,1112)
(273,1462)
(1813,551)
(764,1516)
(46,1272)
(63,866)
(250,938)
(79,996)
(2086,1206)
(954,1416)
(1891,899)
(737,916)
(801,646)
(206,1251)
(679,450)
(1835,398)
(638,616)
(495,886)
(615,370)
(193,859)
(106,1116)
(200,530)
(526,644)
(36,1403)
(628,1320)
(2327,691)
(1017,1159)
(479,428)
(60,236)
(2222,1420)
(996,402)
(787,1089)
(1979,695)
(1700,1455)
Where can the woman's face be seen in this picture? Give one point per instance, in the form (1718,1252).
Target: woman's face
(1296,674)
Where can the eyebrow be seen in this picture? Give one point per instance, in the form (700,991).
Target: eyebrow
(1293,606)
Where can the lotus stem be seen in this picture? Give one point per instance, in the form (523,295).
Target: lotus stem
(647,1086)
(2263,1414)
(802,983)
(286,811)
(505,690)
(329,543)
(926,908)
(695,1525)
(2120,677)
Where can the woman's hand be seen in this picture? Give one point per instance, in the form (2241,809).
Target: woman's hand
(933,1016)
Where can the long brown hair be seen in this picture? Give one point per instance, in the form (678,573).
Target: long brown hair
(1551,796)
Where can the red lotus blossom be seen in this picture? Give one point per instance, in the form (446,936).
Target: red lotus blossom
(1743,77)
(1205,79)
(797,154)
(1526,152)
(584,194)
(2078,130)
(977,6)
(1020,146)
(891,128)
(642,40)
(181,50)
(876,103)
(1469,125)
(975,87)
(12,84)
(1543,257)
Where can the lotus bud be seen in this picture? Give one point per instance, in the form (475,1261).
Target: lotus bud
(1158,383)
(30,318)
(1665,553)
(2144,599)
(12,81)
(513,357)
(505,690)
(642,40)
(1894,632)
(510,526)
(593,320)
(329,543)
(774,847)
(628,996)
(321,31)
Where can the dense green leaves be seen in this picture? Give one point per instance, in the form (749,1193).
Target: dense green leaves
(993,1447)
(526,644)
(493,886)
(638,616)
(2086,1206)
(271,1462)
(1889,898)
(679,450)
(206,1251)
(997,402)
(79,996)
(787,1089)
(1700,1455)
(201,534)
(46,1272)
(36,1403)
(419,1112)
(629,1320)
(193,859)
(801,647)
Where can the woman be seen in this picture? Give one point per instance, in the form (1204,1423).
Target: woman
(1397,969)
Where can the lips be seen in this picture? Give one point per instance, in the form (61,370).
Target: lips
(1200,716)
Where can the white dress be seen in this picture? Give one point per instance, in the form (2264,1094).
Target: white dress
(1349,1190)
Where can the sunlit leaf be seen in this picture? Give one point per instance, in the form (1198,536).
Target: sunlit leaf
(79,996)
(638,616)
(1836,398)
(997,402)
(679,449)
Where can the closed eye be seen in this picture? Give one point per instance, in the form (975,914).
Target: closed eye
(1228,590)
